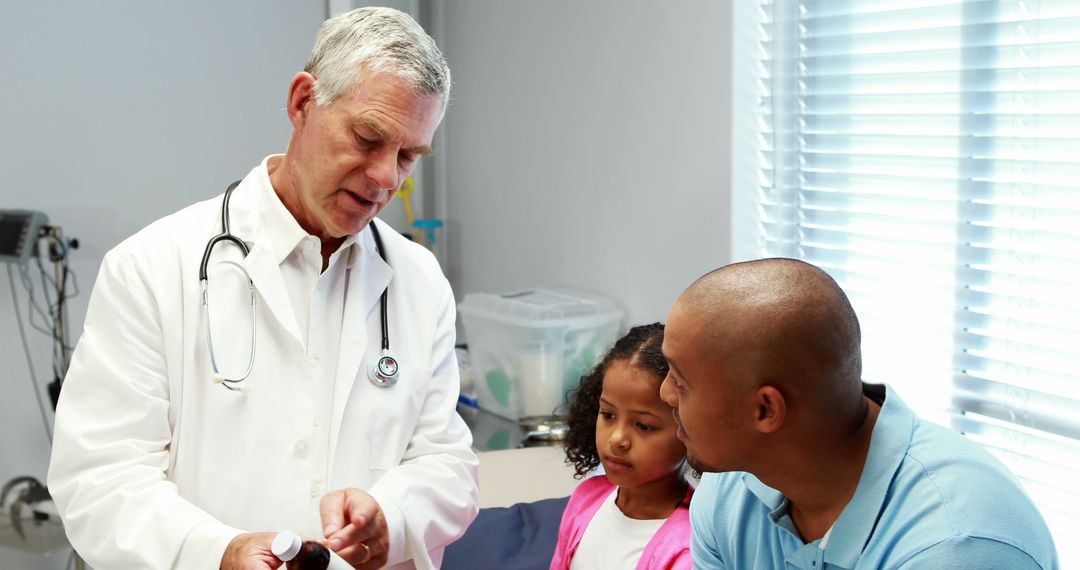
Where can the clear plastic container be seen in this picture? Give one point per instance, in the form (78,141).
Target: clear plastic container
(528,348)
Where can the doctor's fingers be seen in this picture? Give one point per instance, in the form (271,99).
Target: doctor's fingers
(363,546)
(250,552)
(343,506)
(367,554)
(373,531)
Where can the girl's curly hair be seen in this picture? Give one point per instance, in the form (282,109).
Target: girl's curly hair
(640,346)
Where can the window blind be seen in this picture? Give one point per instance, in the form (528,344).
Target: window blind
(927,155)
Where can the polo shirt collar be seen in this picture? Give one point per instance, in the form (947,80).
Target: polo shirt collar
(774,500)
(889,444)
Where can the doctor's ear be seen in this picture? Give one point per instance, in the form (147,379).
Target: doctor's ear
(301,95)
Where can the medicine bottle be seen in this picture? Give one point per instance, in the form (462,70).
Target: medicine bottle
(298,554)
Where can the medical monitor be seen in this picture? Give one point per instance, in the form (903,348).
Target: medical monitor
(19,232)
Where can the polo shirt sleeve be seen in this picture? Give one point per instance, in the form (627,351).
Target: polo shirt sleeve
(703,545)
(972,553)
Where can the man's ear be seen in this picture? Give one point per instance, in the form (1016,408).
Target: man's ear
(301,96)
(770,409)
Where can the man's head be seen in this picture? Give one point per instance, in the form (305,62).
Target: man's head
(375,40)
(762,354)
(364,110)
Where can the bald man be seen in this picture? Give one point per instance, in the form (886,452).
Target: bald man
(807,466)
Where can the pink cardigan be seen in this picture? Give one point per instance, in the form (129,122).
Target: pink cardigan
(669,548)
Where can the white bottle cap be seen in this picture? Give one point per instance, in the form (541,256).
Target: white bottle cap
(286,545)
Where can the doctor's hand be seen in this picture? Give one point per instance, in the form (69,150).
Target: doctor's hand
(250,552)
(355,528)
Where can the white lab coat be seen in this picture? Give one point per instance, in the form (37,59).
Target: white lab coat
(154,466)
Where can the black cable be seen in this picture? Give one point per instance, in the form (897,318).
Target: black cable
(59,254)
(31,304)
(49,329)
(382,298)
(29,360)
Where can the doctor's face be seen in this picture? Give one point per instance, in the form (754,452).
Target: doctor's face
(349,157)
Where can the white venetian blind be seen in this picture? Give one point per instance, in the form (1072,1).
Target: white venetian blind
(927,154)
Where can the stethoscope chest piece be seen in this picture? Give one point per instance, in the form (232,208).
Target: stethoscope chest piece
(384,373)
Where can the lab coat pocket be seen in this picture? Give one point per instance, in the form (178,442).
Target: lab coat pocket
(395,414)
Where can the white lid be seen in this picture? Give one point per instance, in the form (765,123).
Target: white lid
(541,308)
(286,545)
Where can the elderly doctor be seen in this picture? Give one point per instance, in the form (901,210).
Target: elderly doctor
(168,455)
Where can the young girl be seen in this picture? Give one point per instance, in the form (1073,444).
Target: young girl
(637,515)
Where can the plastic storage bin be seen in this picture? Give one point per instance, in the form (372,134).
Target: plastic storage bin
(528,348)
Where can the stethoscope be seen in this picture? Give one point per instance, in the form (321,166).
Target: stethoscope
(384,373)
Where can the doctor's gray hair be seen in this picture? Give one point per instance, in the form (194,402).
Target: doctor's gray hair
(381,40)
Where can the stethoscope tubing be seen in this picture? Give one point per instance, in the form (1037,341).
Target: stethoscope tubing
(383,374)
(225,234)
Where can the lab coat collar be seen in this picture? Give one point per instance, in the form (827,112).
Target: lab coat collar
(272,233)
(247,223)
(280,230)
(368,274)
(283,234)
(369,277)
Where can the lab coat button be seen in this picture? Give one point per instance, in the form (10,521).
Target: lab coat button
(315,422)
(300,449)
(315,353)
(316,489)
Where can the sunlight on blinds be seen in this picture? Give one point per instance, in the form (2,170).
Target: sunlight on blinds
(927,155)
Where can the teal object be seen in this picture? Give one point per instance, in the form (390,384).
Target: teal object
(500,440)
(499,386)
(429,225)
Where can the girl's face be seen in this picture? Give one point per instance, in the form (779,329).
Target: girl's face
(635,430)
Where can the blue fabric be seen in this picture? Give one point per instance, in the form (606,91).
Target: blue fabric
(927,498)
(521,537)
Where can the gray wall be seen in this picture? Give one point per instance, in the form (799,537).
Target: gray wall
(116,113)
(587,145)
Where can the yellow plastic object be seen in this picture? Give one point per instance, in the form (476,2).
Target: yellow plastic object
(406,197)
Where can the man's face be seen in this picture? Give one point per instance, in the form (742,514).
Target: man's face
(700,388)
(349,157)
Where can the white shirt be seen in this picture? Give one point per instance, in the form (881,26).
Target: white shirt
(612,539)
(318,301)
(155,466)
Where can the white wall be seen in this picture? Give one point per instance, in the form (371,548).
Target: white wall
(746,91)
(116,113)
(587,145)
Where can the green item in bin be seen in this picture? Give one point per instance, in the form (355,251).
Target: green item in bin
(499,386)
(501,440)
(579,367)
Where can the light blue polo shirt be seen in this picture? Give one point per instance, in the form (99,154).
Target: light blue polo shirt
(927,498)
